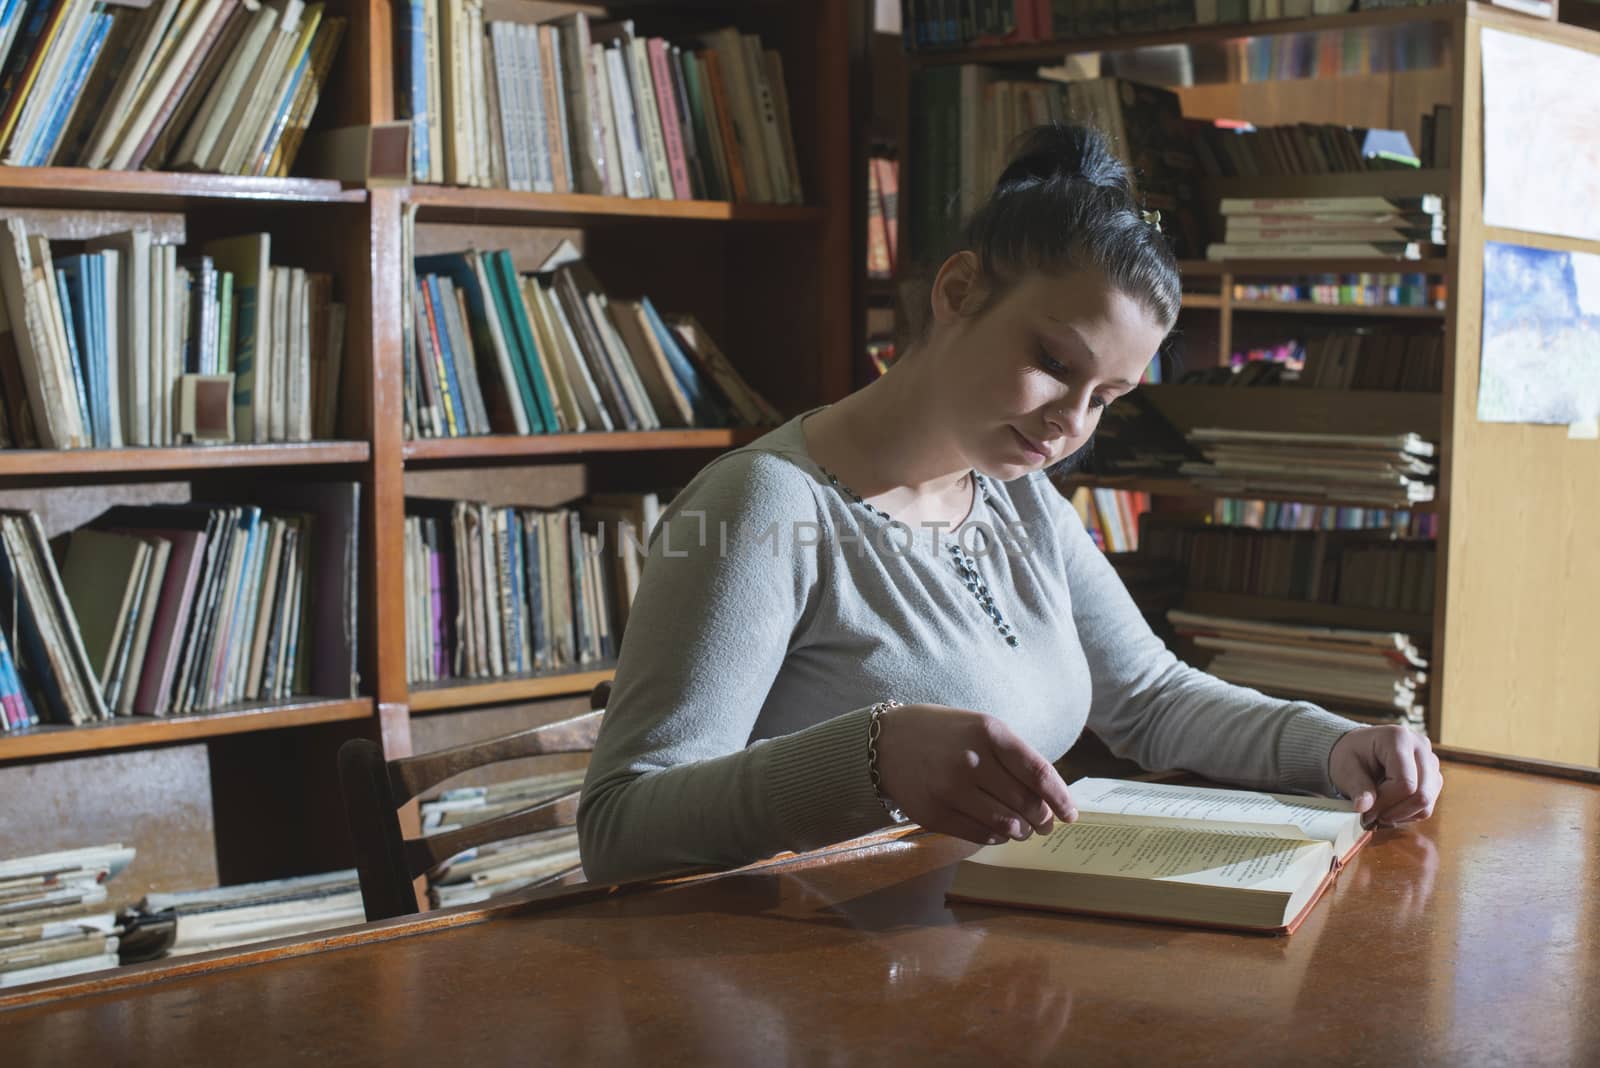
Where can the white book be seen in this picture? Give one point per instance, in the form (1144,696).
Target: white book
(532,80)
(600,81)
(129,84)
(158,346)
(111,301)
(25,320)
(767,112)
(635,168)
(477,82)
(177,328)
(595,408)
(512,132)
(55,324)
(60,969)
(132,331)
(431,42)
(622,363)
(648,115)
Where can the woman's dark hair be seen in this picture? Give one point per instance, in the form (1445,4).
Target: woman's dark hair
(1065,202)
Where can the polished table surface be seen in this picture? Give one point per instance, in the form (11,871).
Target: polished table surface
(1472,938)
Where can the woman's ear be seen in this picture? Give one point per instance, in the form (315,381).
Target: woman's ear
(957,291)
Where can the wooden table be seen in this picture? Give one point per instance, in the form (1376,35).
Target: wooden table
(1474,938)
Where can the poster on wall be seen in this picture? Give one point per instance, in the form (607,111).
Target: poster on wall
(1541,136)
(1541,336)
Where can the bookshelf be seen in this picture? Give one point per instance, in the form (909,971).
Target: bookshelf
(249,792)
(1515,593)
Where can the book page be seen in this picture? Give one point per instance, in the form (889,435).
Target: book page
(1248,859)
(1316,817)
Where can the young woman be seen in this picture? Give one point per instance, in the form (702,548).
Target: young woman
(884,609)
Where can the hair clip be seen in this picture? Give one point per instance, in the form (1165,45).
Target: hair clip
(1151,217)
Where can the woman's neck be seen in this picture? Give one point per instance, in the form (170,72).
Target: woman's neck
(891,438)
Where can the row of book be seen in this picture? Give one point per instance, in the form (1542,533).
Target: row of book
(1298,515)
(1381,470)
(134,343)
(494,351)
(54,917)
(883,206)
(1372,290)
(966,119)
(494,590)
(1377,676)
(500,867)
(931,24)
(180,608)
(1353,568)
(571,105)
(1402,228)
(1111,516)
(180,923)
(1391,361)
(1237,149)
(227,86)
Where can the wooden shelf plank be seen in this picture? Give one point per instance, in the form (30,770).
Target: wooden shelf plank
(1379,19)
(1285,610)
(492,445)
(1361,311)
(1198,301)
(133,731)
(451,204)
(442,696)
(84,187)
(1278,268)
(51,462)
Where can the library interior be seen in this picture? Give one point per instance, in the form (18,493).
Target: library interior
(800,531)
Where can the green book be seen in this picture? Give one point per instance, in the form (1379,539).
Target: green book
(514,313)
(225,323)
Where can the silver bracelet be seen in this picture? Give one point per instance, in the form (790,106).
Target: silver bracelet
(874,729)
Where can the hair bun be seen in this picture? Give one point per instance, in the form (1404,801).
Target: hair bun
(1061,152)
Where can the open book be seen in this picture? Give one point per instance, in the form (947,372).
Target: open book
(1178,854)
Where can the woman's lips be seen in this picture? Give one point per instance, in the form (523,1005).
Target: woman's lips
(1034,451)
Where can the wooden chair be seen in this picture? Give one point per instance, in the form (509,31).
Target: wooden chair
(375,790)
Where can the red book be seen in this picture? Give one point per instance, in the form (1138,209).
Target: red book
(671,121)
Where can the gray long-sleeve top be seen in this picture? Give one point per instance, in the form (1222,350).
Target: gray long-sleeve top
(774,610)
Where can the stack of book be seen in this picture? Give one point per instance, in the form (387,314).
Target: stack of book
(132,344)
(494,591)
(490,870)
(1382,470)
(199,921)
(1374,676)
(1298,515)
(1402,228)
(883,230)
(54,921)
(1355,568)
(228,86)
(492,351)
(572,105)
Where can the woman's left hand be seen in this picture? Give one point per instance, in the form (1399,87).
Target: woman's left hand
(1390,773)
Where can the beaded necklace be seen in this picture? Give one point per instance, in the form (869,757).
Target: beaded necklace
(965,565)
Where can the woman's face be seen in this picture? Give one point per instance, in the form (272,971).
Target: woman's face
(1036,369)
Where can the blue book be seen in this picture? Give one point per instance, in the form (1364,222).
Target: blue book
(459,426)
(86,49)
(71,293)
(11,683)
(413,40)
(514,662)
(708,411)
(281,116)
(250,522)
(10,16)
(532,570)
(32,664)
(97,352)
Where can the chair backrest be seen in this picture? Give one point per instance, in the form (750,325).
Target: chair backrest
(376,789)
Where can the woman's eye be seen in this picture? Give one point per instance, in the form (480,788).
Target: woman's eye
(1098,402)
(1051,364)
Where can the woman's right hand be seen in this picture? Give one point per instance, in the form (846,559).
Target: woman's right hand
(967,774)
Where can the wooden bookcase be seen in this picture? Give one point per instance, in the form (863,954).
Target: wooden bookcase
(1517,599)
(251,793)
